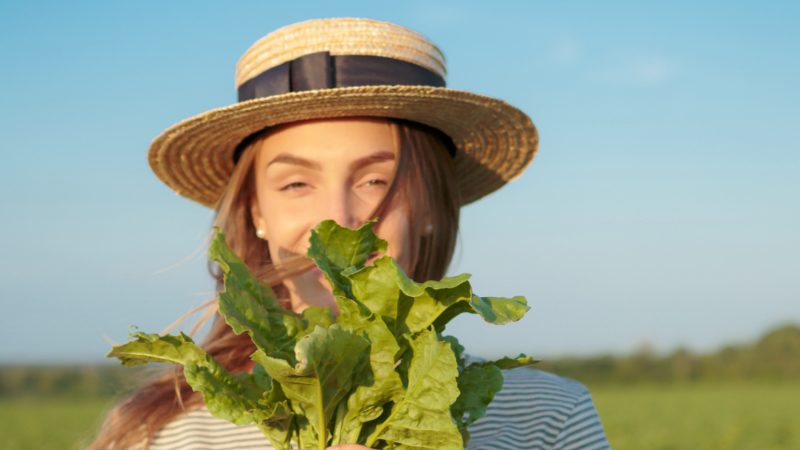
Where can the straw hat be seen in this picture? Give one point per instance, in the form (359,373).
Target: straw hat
(345,67)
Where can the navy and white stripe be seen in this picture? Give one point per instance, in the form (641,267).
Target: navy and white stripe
(533,410)
(539,410)
(199,430)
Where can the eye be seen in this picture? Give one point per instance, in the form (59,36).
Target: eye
(375,182)
(294,186)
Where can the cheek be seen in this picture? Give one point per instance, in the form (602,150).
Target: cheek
(396,231)
(286,233)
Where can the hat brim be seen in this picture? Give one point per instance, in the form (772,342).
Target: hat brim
(494,141)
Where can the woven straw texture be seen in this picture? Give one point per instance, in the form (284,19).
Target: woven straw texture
(495,141)
(345,36)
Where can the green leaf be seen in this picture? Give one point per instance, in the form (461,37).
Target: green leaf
(334,248)
(458,350)
(249,306)
(379,374)
(274,416)
(478,385)
(328,361)
(507,363)
(387,291)
(376,286)
(226,396)
(432,306)
(500,310)
(315,316)
(406,306)
(380,384)
(420,418)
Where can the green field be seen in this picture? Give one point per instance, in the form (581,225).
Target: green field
(653,417)
(54,423)
(701,417)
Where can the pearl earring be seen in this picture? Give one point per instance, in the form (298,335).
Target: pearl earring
(260,233)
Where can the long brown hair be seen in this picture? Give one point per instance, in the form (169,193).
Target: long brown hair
(424,178)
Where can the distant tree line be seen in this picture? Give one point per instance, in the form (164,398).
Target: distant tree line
(773,357)
(101,380)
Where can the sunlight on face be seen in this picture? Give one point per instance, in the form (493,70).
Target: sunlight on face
(337,169)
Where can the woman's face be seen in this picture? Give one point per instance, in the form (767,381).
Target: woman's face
(337,169)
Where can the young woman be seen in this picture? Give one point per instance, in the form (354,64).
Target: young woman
(344,119)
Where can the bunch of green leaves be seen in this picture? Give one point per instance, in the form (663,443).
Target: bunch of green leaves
(380,374)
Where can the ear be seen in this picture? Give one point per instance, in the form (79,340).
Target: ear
(258,221)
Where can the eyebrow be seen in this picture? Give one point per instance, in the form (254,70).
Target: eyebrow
(295,160)
(374,158)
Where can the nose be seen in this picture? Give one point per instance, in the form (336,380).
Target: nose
(343,208)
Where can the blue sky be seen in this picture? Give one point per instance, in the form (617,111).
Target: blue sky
(662,206)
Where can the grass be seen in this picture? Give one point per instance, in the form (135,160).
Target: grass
(701,416)
(49,423)
(704,416)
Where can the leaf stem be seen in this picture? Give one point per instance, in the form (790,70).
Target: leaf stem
(321,425)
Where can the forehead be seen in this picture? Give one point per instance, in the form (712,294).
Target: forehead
(329,140)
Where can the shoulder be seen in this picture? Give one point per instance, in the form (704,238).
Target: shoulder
(530,377)
(198,429)
(537,409)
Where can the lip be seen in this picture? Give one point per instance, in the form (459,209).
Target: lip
(372,257)
(316,271)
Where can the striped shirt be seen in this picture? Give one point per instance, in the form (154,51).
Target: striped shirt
(533,410)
